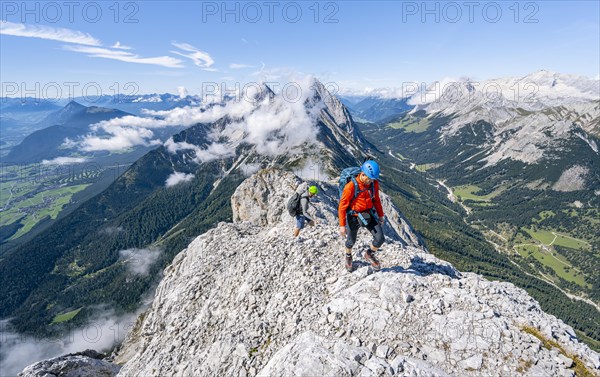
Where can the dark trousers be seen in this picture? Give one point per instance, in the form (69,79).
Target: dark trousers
(352,226)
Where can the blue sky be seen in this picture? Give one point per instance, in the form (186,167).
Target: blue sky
(366,45)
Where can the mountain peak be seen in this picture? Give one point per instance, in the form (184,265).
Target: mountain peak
(73,106)
(264,92)
(334,113)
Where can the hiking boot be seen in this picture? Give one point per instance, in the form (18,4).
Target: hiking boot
(370,257)
(348,262)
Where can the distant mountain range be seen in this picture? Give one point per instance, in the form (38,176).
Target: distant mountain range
(134,104)
(129,103)
(70,122)
(23,116)
(10,105)
(557,125)
(374,108)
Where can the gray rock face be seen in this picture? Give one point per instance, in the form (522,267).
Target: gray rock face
(84,364)
(246,299)
(262,198)
(334,113)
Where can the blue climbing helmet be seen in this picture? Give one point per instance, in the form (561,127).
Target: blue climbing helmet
(371,169)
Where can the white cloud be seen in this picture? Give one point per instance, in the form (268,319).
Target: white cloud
(214,151)
(274,73)
(182,91)
(240,66)
(85,43)
(47,32)
(200,58)
(69,144)
(260,70)
(64,161)
(178,177)
(121,137)
(173,147)
(249,169)
(139,261)
(125,56)
(273,126)
(120,46)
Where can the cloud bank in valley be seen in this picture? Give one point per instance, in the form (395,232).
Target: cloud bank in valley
(272,125)
(178,177)
(101,333)
(139,261)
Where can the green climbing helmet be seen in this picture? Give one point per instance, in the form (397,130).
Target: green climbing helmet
(313,190)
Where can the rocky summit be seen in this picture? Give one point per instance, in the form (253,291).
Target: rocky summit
(247,299)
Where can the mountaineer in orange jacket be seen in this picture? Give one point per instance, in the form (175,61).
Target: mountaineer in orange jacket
(364,210)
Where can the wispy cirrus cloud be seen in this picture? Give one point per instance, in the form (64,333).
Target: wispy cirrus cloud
(48,32)
(200,58)
(124,56)
(120,46)
(85,43)
(240,66)
(274,73)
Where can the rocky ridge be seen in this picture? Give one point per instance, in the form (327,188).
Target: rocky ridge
(246,299)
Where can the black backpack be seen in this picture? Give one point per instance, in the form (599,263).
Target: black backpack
(293,205)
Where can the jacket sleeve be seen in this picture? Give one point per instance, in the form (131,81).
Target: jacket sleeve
(345,200)
(304,205)
(377,200)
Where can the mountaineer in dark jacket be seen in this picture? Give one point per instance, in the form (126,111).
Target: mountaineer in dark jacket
(303,217)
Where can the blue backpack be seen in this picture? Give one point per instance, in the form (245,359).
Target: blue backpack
(349,174)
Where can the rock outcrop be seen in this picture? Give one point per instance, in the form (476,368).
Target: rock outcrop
(82,364)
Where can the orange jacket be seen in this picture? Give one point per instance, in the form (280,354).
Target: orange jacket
(362,202)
